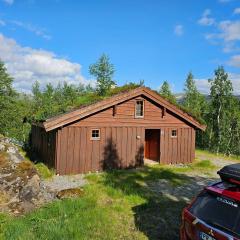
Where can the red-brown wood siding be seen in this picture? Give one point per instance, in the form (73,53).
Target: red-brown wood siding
(118,147)
(122,139)
(180,149)
(125,116)
(44,145)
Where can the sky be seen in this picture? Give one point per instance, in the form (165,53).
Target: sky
(154,40)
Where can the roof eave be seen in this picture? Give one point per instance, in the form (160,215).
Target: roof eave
(67,118)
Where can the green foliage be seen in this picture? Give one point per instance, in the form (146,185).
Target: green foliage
(103,70)
(44,171)
(7,99)
(220,110)
(193,99)
(124,88)
(14,108)
(222,117)
(51,101)
(165,91)
(204,164)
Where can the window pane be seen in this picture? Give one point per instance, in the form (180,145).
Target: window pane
(95,133)
(139,108)
(174,133)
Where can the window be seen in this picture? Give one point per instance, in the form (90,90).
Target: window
(114,110)
(174,133)
(95,134)
(139,109)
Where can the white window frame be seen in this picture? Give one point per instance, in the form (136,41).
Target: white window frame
(174,136)
(99,133)
(139,100)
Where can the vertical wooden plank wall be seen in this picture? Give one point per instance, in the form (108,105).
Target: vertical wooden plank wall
(76,153)
(118,147)
(180,149)
(44,145)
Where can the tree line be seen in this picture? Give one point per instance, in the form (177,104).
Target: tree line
(221,112)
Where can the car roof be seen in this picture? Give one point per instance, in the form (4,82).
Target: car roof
(226,189)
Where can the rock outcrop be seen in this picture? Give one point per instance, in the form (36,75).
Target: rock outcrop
(21,187)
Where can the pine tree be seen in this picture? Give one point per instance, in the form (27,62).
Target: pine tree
(193,99)
(7,95)
(103,70)
(165,91)
(191,93)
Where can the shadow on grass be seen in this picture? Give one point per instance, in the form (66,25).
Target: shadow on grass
(159,217)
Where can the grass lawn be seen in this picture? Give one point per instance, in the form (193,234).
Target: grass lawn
(211,155)
(116,205)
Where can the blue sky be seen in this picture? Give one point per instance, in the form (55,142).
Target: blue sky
(57,40)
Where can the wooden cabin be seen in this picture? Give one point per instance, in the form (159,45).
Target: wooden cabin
(119,132)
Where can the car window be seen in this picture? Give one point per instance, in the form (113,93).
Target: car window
(218,211)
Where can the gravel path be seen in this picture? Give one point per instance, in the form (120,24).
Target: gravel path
(58,183)
(217,161)
(196,182)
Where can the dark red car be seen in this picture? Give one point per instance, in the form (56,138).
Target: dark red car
(215,213)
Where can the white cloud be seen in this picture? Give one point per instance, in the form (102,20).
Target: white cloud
(206,20)
(28,65)
(204,86)
(2,23)
(227,34)
(230,30)
(10,2)
(235,78)
(236,11)
(36,30)
(178,30)
(234,61)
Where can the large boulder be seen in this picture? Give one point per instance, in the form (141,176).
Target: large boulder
(31,189)
(22,189)
(2,147)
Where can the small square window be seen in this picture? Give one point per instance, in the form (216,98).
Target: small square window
(95,134)
(139,112)
(174,133)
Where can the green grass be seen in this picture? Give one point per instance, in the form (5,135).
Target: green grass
(204,164)
(115,205)
(44,171)
(211,155)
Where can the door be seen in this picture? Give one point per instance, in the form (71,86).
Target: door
(152,144)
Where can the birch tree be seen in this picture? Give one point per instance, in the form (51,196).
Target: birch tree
(220,109)
(103,70)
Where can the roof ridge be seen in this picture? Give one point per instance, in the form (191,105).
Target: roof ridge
(92,103)
(79,113)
